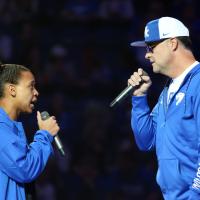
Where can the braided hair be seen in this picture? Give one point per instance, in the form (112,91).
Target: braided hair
(10,73)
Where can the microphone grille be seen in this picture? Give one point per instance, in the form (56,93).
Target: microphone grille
(45,115)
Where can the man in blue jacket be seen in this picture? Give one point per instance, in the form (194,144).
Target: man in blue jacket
(20,162)
(173,126)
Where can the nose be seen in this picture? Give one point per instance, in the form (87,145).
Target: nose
(148,55)
(36,93)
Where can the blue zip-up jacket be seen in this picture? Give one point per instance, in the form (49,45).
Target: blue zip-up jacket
(19,162)
(174,131)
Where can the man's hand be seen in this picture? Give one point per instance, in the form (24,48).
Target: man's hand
(141,82)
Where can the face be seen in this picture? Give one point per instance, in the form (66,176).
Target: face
(159,54)
(25,93)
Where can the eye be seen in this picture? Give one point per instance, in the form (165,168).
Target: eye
(31,87)
(150,48)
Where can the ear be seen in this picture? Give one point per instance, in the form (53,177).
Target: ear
(174,43)
(12,90)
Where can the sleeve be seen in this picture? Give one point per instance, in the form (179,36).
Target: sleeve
(21,162)
(143,123)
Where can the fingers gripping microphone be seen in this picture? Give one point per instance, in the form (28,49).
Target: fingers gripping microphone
(122,95)
(130,88)
(45,115)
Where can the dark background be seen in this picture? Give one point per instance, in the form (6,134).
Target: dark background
(80,53)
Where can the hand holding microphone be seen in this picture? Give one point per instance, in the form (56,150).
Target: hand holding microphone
(48,123)
(139,83)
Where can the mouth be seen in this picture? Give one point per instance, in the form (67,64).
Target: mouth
(151,60)
(32,104)
(153,63)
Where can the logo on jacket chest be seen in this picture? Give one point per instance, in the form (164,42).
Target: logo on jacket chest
(179,97)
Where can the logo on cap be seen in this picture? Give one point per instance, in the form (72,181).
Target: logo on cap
(146,32)
(164,34)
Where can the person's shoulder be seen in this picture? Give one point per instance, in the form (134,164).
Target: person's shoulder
(5,124)
(2,118)
(193,80)
(196,69)
(194,74)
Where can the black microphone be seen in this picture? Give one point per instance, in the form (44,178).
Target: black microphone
(122,95)
(45,115)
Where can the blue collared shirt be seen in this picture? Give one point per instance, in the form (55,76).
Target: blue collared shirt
(19,162)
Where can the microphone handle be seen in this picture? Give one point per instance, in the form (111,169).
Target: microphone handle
(59,145)
(122,95)
(45,115)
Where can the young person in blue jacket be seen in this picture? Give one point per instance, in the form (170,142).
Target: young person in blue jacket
(20,162)
(172,127)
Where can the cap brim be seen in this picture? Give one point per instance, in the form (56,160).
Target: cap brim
(138,44)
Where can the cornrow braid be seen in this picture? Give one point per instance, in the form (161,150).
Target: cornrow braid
(10,73)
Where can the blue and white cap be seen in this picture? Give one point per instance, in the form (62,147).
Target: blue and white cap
(165,27)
